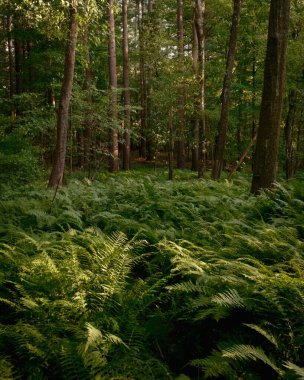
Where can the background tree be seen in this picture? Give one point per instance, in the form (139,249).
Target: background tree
(56,177)
(223,123)
(266,153)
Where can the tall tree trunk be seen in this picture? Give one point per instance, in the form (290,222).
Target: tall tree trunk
(200,30)
(127,100)
(10,50)
(56,177)
(180,140)
(143,83)
(114,158)
(10,45)
(266,153)
(18,66)
(87,128)
(289,164)
(195,121)
(223,123)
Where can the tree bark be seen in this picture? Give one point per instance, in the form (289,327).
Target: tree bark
(10,45)
(56,177)
(113,135)
(200,30)
(223,123)
(195,121)
(87,128)
(266,153)
(127,98)
(180,140)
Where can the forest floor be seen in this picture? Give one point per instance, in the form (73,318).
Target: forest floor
(131,276)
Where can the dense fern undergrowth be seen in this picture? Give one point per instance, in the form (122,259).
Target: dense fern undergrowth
(134,277)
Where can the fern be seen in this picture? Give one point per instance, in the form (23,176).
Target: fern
(247,352)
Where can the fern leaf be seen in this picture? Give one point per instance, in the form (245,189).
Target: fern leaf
(298,370)
(247,352)
(95,337)
(263,332)
(230,298)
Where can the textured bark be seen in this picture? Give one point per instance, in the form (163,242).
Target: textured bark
(56,177)
(200,30)
(127,99)
(195,121)
(180,139)
(113,135)
(88,122)
(266,153)
(223,123)
(143,83)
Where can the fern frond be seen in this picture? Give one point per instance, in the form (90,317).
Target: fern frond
(264,333)
(230,298)
(298,370)
(247,352)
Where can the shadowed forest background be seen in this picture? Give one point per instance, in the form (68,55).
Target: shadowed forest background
(152,199)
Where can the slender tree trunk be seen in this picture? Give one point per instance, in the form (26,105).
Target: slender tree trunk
(18,66)
(87,128)
(114,158)
(180,141)
(143,84)
(289,164)
(195,127)
(200,30)
(127,99)
(223,123)
(56,177)
(10,45)
(266,153)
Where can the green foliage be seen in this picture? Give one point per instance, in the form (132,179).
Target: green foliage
(129,275)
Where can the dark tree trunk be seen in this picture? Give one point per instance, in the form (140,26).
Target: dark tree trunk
(56,177)
(266,153)
(87,128)
(195,121)
(18,66)
(289,164)
(200,30)
(180,140)
(114,158)
(10,45)
(143,84)
(223,123)
(127,100)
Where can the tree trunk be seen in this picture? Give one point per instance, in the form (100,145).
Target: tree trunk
(87,128)
(127,100)
(143,84)
(223,123)
(56,177)
(10,45)
(180,140)
(113,135)
(266,153)
(195,121)
(200,30)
